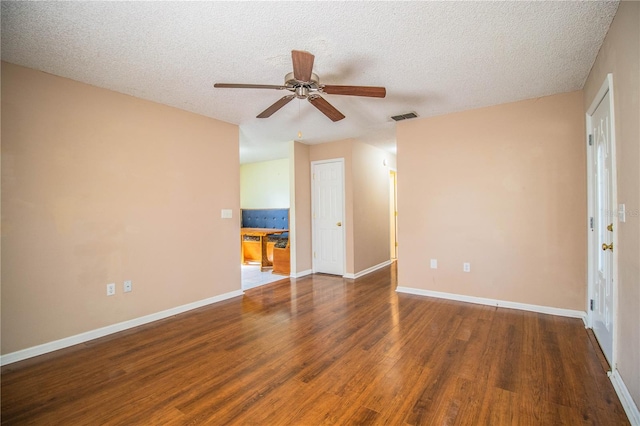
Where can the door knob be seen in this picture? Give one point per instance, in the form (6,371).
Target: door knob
(607,247)
(610,227)
(339,223)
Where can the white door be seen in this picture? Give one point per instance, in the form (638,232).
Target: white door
(328,217)
(604,221)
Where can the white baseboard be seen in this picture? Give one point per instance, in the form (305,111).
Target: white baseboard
(630,407)
(110,329)
(368,270)
(245,288)
(301,274)
(494,302)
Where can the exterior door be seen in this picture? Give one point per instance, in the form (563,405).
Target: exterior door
(604,221)
(328,217)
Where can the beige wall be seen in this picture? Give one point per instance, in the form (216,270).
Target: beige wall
(620,55)
(99,187)
(265,184)
(366,200)
(300,209)
(503,188)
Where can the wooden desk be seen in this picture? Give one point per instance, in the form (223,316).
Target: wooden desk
(263,233)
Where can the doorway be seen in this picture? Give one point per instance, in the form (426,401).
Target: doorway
(264,186)
(328,225)
(393,214)
(603,220)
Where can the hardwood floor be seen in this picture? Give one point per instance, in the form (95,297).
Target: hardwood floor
(324,351)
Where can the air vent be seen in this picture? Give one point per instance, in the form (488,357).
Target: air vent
(404,116)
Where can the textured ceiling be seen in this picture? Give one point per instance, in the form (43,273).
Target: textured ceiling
(433,57)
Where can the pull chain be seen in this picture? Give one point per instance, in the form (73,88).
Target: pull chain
(299,131)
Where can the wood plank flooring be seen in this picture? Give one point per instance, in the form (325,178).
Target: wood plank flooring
(324,350)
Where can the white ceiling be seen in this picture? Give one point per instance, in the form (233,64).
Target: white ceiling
(433,57)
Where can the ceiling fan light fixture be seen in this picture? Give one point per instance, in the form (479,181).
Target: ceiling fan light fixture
(302,92)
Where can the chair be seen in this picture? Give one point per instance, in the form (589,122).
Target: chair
(281,258)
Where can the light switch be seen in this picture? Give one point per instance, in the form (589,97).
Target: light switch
(226,214)
(434,263)
(622,213)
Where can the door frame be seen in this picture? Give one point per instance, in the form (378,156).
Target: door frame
(607,86)
(393,211)
(345,222)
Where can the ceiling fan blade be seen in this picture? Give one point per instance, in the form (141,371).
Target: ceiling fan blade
(370,91)
(248,86)
(326,108)
(276,106)
(302,65)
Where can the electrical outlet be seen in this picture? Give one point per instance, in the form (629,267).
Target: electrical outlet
(111,289)
(466,267)
(434,263)
(127,286)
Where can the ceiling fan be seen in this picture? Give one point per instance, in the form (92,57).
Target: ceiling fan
(304,84)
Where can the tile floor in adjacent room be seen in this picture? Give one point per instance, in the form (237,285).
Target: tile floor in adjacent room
(252,277)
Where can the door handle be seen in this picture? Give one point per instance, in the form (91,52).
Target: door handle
(339,223)
(610,227)
(607,247)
